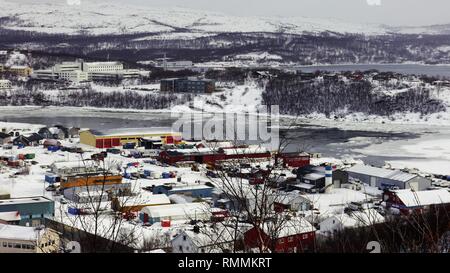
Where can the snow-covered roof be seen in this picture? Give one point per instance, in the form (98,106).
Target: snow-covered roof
(134,131)
(294,226)
(145,198)
(174,210)
(249,150)
(423,198)
(360,218)
(382,173)
(38,199)
(10,216)
(313,176)
(13,232)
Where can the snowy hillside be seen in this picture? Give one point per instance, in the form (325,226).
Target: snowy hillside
(95,17)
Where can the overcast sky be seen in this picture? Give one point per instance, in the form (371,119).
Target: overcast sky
(393,12)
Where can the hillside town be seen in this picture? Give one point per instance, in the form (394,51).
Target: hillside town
(150,190)
(70,189)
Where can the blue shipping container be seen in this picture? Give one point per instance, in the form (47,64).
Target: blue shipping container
(73,211)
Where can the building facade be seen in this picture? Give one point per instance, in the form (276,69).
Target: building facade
(188,85)
(115,138)
(32,210)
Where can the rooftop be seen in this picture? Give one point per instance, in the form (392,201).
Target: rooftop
(423,198)
(26,200)
(14,232)
(134,131)
(382,173)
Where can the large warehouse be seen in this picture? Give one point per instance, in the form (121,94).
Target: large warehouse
(117,137)
(384,178)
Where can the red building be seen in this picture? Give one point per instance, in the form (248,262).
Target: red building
(210,156)
(407,201)
(295,160)
(294,236)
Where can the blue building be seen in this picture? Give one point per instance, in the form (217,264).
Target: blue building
(188,85)
(32,210)
(196,191)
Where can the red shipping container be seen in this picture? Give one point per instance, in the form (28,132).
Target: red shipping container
(116,142)
(21,156)
(107,143)
(99,143)
(165,223)
(169,140)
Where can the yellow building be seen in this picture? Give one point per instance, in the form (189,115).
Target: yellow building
(119,137)
(23,71)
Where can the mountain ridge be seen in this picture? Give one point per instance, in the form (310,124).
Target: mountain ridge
(97,18)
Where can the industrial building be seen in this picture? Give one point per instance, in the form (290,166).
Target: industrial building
(212,156)
(196,190)
(32,210)
(138,202)
(118,137)
(188,85)
(385,179)
(175,212)
(408,200)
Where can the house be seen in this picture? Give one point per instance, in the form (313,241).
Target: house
(18,239)
(407,200)
(354,219)
(32,210)
(74,132)
(175,212)
(292,236)
(45,133)
(4,138)
(29,140)
(118,137)
(58,133)
(385,179)
(188,85)
(207,240)
(292,201)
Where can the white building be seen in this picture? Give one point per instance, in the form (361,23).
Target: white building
(19,239)
(176,212)
(94,67)
(354,219)
(208,240)
(80,71)
(5,84)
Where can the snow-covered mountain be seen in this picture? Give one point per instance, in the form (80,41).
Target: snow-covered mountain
(97,17)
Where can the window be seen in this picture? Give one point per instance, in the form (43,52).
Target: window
(305,236)
(290,239)
(184,238)
(281,241)
(180,248)
(5,244)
